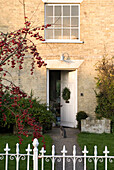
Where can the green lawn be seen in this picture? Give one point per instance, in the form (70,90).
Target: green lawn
(12,140)
(101,140)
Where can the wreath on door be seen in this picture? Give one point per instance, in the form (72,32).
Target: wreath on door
(66,94)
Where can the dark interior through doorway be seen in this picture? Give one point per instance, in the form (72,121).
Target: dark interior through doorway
(54,92)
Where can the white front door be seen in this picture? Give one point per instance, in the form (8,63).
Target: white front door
(69,110)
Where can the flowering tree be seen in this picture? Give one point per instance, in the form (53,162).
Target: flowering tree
(13,47)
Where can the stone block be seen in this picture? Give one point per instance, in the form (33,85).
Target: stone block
(96,125)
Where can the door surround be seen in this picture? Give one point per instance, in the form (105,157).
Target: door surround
(63,65)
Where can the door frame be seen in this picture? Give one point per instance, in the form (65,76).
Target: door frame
(47,88)
(76,76)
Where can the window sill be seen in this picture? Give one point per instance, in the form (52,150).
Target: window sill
(63,41)
(62,1)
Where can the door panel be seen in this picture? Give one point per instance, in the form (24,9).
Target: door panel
(68,110)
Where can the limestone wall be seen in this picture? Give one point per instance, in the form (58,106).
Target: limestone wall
(96,30)
(95,125)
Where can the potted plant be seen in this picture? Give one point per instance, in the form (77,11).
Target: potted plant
(81,115)
(66,94)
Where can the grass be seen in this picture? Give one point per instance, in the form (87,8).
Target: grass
(100,140)
(12,140)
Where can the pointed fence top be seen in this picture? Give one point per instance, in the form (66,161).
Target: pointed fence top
(64,150)
(7,148)
(95,150)
(74,150)
(43,151)
(85,151)
(28,149)
(35,143)
(17,148)
(106,151)
(53,150)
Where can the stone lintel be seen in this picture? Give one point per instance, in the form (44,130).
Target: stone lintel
(63,64)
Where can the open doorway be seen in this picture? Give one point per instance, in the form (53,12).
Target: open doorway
(54,93)
(57,80)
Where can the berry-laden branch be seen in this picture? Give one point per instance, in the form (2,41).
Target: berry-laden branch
(13,47)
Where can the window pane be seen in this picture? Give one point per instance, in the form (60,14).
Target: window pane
(66,21)
(49,33)
(66,10)
(74,10)
(57,22)
(57,10)
(74,22)
(49,10)
(49,20)
(66,33)
(58,34)
(74,34)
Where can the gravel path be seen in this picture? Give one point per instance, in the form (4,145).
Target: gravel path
(69,141)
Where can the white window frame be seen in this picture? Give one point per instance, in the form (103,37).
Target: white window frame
(64,40)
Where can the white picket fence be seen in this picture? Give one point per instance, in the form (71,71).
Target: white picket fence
(59,158)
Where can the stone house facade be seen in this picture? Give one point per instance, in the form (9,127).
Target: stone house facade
(81,32)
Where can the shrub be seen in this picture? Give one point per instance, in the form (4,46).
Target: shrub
(105,84)
(42,115)
(37,111)
(6,117)
(80,115)
(15,108)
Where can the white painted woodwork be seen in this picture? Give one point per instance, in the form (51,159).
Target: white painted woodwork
(62,1)
(63,41)
(68,79)
(47,89)
(63,157)
(63,26)
(68,110)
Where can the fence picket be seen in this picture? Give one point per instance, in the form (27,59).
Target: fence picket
(64,151)
(95,154)
(85,156)
(53,159)
(28,150)
(74,157)
(35,154)
(7,149)
(42,152)
(106,154)
(65,158)
(17,156)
